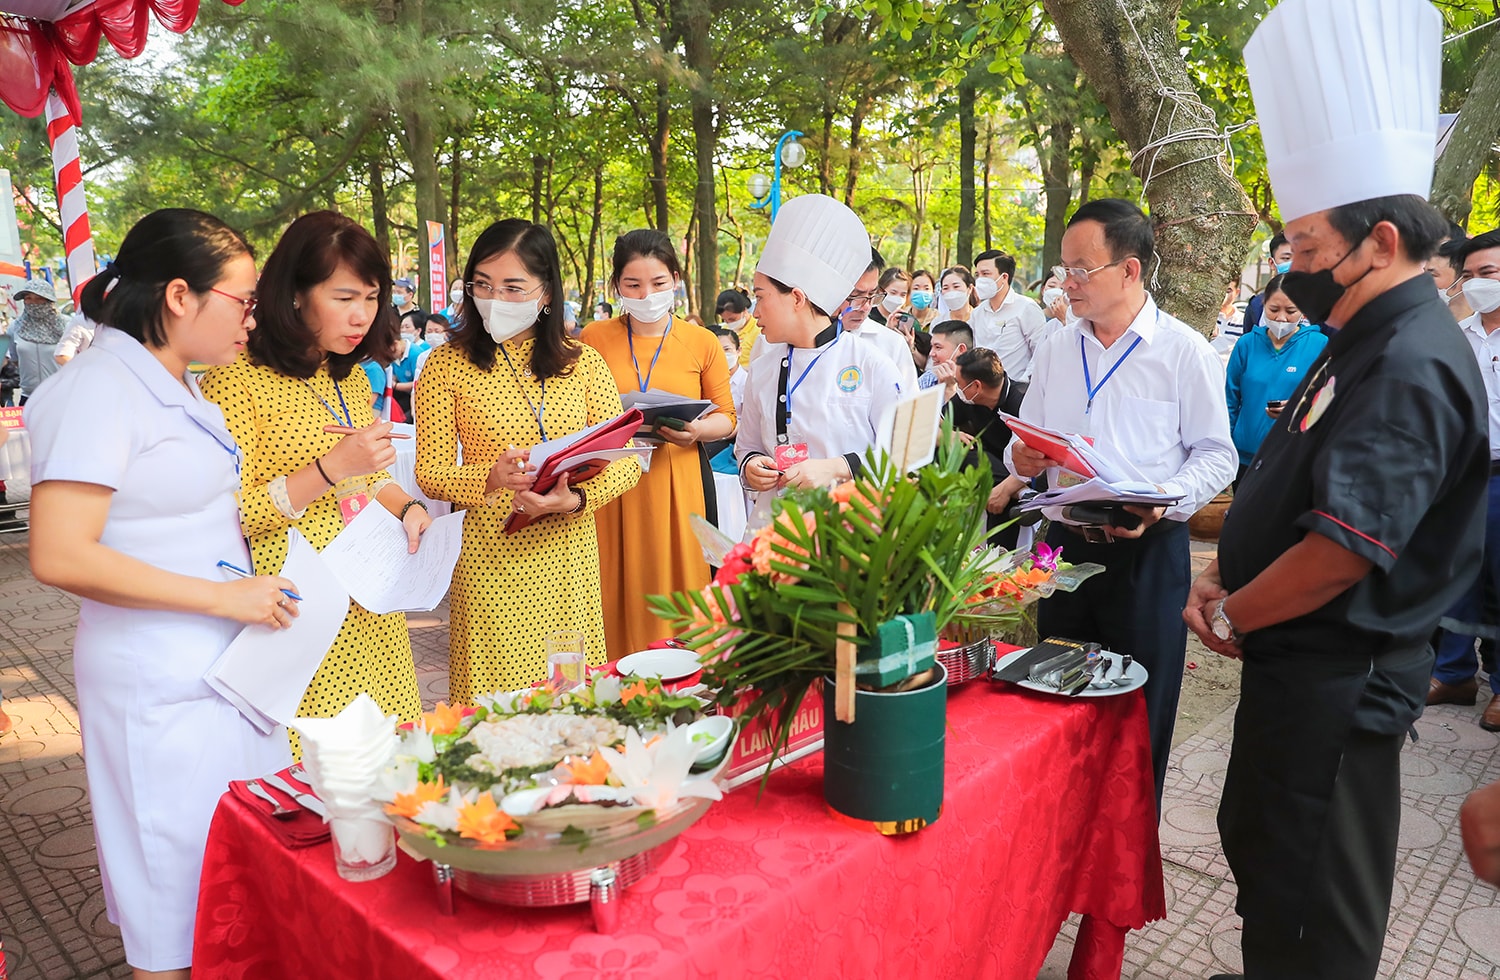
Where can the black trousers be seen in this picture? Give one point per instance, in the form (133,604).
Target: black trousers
(1343,926)
(1134,606)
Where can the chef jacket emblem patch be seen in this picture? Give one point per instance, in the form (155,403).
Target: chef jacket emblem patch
(850,378)
(1320,404)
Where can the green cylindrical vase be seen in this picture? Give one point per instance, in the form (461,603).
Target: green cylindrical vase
(887,766)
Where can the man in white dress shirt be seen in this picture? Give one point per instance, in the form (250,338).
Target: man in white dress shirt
(1146,385)
(856,320)
(1005,321)
(1453,675)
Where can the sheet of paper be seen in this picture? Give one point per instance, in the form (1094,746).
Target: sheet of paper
(264,672)
(370,559)
(543,450)
(908,429)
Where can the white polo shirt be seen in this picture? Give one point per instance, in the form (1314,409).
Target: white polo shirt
(1013,332)
(1486,348)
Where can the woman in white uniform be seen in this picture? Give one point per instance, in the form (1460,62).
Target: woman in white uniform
(133,506)
(814,398)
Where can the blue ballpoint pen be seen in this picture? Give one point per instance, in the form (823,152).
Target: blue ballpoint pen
(244,574)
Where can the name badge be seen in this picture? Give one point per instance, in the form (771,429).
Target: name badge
(350,506)
(790,455)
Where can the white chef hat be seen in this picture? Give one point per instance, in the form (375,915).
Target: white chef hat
(1346,92)
(818,246)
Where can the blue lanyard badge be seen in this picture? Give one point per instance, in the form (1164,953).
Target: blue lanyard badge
(537,410)
(1088,384)
(346,418)
(787,390)
(630,339)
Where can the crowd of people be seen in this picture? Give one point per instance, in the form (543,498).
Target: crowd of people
(1356,523)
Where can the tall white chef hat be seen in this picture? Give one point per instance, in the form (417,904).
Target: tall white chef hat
(1347,96)
(818,246)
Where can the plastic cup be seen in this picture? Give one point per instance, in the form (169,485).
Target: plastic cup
(565,671)
(364,848)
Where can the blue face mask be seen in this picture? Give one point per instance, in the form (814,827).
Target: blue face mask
(1282,268)
(921,298)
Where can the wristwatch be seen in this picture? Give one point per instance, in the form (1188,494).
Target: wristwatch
(1222,628)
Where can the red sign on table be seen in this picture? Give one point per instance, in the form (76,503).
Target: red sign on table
(10,418)
(752,750)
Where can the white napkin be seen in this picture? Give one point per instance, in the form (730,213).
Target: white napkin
(344,755)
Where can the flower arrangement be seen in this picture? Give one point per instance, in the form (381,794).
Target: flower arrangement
(835,564)
(483,774)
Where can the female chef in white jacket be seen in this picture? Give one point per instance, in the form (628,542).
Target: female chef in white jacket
(813,400)
(133,506)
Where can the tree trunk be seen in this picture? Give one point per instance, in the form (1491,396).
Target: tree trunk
(378,206)
(825,164)
(919,217)
(700,57)
(966,140)
(862,106)
(660,140)
(1086,178)
(1203,218)
(989,156)
(1057,189)
(1472,142)
(455,186)
(538,179)
(737,233)
(688,249)
(595,220)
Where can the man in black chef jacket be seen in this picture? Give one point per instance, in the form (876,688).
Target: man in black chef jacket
(982,390)
(1359,522)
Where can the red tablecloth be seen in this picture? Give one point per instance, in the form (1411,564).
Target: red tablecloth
(1049,809)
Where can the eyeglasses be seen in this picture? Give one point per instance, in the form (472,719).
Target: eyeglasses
(508,291)
(863,297)
(247,305)
(1063,273)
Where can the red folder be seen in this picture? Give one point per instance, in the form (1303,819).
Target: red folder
(613,434)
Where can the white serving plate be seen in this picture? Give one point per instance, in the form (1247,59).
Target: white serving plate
(667,665)
(1136,675)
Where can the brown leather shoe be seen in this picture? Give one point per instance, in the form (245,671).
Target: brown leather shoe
(1490,720)
(1464,692)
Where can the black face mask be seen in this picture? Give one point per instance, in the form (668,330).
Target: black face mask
(1316,293)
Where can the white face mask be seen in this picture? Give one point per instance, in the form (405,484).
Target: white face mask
(1278,328)
(1483,294)
(456,295)
(504,319)
(892,302)
(985,288)
(956,299)
(652,308)
(1052,295)
(963,393)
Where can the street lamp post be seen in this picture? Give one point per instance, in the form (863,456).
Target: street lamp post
(788,152)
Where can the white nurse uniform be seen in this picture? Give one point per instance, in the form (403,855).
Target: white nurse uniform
(160,745)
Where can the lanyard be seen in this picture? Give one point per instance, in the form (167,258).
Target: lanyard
(1088,384)
(537,411)
(630,339)
(232,449)
(346,418)
(785,391)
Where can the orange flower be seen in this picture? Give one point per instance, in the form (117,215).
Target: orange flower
(633,690)
(589,772)
(408,804)
(485,822)
(762,549)
(443,719)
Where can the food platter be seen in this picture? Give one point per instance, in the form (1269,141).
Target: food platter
(1135,677)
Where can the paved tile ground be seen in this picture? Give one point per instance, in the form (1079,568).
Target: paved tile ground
(52,920)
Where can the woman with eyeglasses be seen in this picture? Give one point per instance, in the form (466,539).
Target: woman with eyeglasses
(134,479)
(300,408)
(646,540)
(1265,367)
(509,381)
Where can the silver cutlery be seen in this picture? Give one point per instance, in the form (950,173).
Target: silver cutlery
(278,811)
(1124,679)
(304,799)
